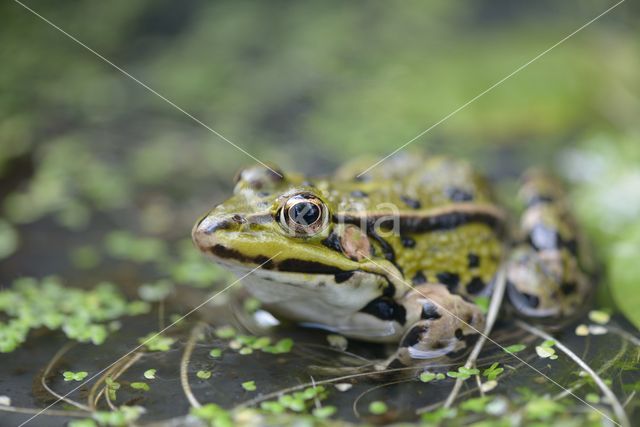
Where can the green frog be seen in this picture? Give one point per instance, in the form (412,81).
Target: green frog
(401,254)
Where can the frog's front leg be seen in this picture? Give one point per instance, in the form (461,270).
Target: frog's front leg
(544,275)
(439,324)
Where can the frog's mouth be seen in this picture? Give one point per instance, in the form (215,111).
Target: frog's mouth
(281,260)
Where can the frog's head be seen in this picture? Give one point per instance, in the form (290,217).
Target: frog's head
(285,227)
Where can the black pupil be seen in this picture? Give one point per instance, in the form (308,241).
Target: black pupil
(304,213)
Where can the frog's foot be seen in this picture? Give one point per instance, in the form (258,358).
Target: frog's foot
(443,327)
(544,275)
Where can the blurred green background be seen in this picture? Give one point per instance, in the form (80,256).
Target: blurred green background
(84,150)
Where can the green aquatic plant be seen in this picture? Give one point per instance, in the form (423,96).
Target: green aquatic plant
(74,376)
(83,315)
(155,341)
(150,374)
(378,407)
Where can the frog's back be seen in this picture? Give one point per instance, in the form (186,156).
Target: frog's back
(448,229)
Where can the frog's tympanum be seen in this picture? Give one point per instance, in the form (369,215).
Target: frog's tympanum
(398,255)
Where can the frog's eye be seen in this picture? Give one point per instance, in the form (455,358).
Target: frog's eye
(304,215)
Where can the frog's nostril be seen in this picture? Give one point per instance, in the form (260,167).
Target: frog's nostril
(203,233)
(211,225)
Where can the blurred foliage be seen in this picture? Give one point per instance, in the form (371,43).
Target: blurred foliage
(606,173)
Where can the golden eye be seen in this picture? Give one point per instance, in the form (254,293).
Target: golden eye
(304,214)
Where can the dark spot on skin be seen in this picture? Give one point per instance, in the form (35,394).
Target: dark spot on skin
(308,184)
(407,242)
(457,194)
(412,203)
(439,344)
(474,260)
(359,194)
(386,309)
(568,288)
(450,280)
(429,311)
(459,334)
(263,193)
(387,249)
(468,318)
(521,299)
(333,242)
(414,336)
(539,199)
(469,340)
(224,252)
(572,246)
(390,290)
(422,224)
(475,285)
(419,278)
(237,218)
(311,267)
(343,276)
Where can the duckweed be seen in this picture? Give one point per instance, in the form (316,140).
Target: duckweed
(378,407)
(493,371)
(203,375)
(83,315)
(463,373)
(213,414)
(74,376)
(156,342)
(215,352)
(515,348)
(249,385)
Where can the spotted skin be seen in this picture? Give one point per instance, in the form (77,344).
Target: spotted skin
(405,251)
(547,271)
(444,325)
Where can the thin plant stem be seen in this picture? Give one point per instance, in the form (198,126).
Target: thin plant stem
(43,379)
(618,410)
(492,315)
(184,365)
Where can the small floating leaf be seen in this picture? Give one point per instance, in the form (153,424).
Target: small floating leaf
(74,376)
(225,332)
(377,407)
(324,412)
(150,374)
(425,377)
(600,317)
(582,330)
(337,341)
(249,385)
(544,351)
(272,407)
(488,386)
(140,386)
(592,398)
(515,348)
(156,342)
(215,352)
(203,375)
